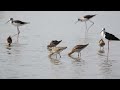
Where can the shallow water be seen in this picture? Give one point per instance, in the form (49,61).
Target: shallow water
(28,58)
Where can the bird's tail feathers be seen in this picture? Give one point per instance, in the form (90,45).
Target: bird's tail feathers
(95,14)
(27,22)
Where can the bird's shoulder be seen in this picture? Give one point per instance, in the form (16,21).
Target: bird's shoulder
(79,46)
(87,16)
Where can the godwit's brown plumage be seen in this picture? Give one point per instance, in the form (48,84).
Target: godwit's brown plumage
(78,49)
(9,40)
(101,43)
(57,50)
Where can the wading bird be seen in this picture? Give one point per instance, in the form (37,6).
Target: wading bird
(9,40)
(57,50)
(53,43)
(78,49)
(85,19)
(108,36)
(17,23)
(101,44)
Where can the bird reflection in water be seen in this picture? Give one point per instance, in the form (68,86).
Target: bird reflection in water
(106,68)
(74,58)
(77,60)
(105,65)
(9,49)
(55,61)
(9,42)
(101,44)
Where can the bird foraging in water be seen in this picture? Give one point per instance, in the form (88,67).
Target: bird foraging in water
(53,43)
(108,36)
(78,49)
(9,40)
(17,23)
(101,44)
(57,50)
(85,19)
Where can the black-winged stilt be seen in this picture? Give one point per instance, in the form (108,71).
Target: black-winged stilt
(78,49)
(85,19)
(9,40)
(108,36)
(17,23)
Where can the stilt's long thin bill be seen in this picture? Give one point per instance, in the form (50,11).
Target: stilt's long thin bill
(7,22)
(76,22)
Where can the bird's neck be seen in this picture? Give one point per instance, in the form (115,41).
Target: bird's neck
(103,33)
(11,21)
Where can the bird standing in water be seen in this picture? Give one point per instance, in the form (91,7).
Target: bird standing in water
(78,49)
(85,19)
(17,23)
(101,44)
(9,40)
(108,36)
(57,50)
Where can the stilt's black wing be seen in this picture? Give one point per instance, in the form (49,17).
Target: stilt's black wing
(111,36)
(89,16)
(80,46)
(20,22)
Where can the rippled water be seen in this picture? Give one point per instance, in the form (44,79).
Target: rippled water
(28,58)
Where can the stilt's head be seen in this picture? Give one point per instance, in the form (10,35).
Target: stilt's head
(103,32)
(103,29)
(11,19)
(78,20)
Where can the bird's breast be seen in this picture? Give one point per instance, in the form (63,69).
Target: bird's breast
(102,34)
(83,19)
(16,24)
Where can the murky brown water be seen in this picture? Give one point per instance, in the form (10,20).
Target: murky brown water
(29,57)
